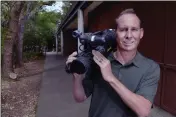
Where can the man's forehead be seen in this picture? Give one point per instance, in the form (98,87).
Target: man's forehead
(125,18)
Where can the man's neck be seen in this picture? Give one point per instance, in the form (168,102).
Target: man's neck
(124,56)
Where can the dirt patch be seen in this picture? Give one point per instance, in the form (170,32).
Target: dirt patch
(19,98)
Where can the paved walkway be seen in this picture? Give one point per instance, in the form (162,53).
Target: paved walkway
(56,99)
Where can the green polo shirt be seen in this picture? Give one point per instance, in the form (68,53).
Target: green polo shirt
(140,76)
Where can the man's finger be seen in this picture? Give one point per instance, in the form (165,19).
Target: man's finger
(70,59)
(96,61)
(95,54)
(73,54)
(98,55)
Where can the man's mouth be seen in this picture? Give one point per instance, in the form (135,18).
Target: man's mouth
(128,43)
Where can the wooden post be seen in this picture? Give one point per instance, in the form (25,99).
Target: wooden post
(80,27)
(62,42)
(56,43)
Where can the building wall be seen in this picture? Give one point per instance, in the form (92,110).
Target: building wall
(70,43)
(168,94)
(159,23)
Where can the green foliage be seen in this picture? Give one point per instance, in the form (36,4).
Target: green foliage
(5,16)
(41,27)
(41,30)
(5,10)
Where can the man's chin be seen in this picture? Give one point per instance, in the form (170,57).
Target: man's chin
(129,49)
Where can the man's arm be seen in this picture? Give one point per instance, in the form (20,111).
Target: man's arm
(140,101)
(78,90)
(82,86)
(137,103)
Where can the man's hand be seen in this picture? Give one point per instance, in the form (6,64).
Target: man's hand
(70,59)
(104,65)
(78,90)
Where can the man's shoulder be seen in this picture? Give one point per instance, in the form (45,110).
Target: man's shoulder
(149,63)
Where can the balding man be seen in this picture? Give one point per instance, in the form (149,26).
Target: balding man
(126,83)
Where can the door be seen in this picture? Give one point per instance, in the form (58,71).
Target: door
(168,98)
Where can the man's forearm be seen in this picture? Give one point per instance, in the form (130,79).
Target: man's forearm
(137,103)
(78,90)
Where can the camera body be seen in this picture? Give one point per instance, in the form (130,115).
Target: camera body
(102,41)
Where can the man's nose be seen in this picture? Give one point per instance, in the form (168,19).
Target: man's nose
(129,34)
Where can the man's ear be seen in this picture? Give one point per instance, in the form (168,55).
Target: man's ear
(142,33)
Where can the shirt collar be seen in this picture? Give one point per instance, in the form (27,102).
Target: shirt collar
(136,61)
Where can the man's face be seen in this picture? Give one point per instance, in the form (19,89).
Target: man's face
(128,32)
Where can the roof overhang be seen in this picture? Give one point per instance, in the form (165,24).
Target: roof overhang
(70,20)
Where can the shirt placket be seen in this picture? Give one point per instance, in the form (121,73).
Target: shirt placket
(117,70)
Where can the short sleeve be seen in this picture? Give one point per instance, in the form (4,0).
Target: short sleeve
(149,83)
(88,83)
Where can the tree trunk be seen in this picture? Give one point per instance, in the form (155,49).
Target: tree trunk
(18,43)
(22,20)
(10,37)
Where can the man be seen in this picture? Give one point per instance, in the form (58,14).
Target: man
(126,83)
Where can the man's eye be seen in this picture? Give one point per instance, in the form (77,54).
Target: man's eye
(122,29)
(135,29)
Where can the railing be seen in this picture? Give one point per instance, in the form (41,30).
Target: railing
(168,66)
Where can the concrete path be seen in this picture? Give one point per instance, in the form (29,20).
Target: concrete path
(56,99)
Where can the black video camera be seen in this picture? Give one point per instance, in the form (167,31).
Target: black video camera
(102,41)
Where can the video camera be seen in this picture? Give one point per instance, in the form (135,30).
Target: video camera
(102,41)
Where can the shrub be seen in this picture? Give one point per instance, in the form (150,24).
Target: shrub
(29,56)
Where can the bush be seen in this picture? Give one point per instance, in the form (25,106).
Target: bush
(29,56)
